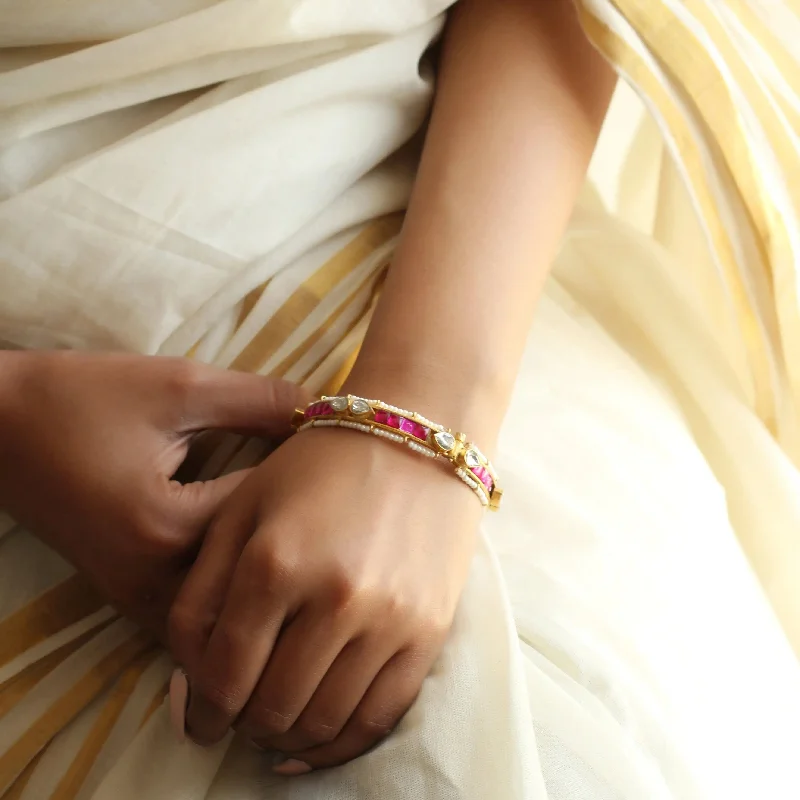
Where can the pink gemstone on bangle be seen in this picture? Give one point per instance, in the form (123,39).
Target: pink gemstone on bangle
(482,474)
(408,426)
(415,429)
(319,410)
(402,424)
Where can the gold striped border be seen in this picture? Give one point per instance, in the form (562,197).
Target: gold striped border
(618,52)
(691,64)
(787,67)
(775,240)
(699,75)
(73,779)
(14,689)
(250,301)
(685,59)
(52,612)
(64,709)
(156,703)
(300,352)
(17,788)
(310,293)
(337,381)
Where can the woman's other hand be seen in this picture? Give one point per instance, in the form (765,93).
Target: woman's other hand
(322,595)
(88,447)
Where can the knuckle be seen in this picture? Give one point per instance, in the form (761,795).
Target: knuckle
(223,699)
(266,722)
(431,626)
(372,727)
(318,731)
(439,623)
(424,624)
(348,589)
(398,608)
(184,622)
(184,376)
(279,565)
(345,589)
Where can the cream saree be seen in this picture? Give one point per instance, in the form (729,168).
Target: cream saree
(226,179)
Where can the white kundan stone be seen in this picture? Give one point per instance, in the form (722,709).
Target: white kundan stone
(359,406)
(446,441)
(472,459)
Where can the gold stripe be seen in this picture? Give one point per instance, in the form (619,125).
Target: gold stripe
(302,350)
(698,74)
(155,704)
(14,689)
(249,303)
(619,53)
(775,241)
(794,7)
(73,779)
(336,382)
(311,292)
(20,784)
(65,708)
(62,606)
(676,47)
(685,59)
(775,50)
(322,359)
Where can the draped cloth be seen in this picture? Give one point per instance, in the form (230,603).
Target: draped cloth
(225,179)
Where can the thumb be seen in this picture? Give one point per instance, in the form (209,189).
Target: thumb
(242,402)
(198,503)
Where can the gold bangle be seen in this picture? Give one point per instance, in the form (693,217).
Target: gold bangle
(406,427)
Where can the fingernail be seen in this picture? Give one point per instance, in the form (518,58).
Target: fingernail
(178,698)
(292,768)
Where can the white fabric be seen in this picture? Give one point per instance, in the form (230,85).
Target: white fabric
(612,643)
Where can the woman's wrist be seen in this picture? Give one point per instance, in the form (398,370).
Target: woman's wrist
(472,402)
(368,414)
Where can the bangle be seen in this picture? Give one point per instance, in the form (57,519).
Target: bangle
(406,427)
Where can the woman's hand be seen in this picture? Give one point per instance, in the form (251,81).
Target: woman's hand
(88,447)
(322,596)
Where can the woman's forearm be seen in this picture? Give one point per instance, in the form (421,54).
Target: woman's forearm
(520,102)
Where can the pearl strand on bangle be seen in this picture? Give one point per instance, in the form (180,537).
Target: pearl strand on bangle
(400,426)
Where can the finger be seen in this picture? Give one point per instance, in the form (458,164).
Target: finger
(243,402)
(336,698)
(199,502)
(151,611)
(201,595)
(239,647)
(389,697)
(302,656)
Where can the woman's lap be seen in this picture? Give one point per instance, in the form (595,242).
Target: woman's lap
(613,641)
(629,588)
